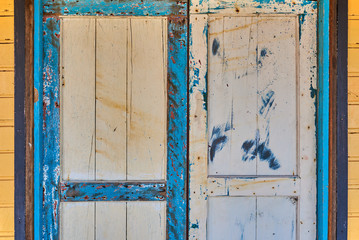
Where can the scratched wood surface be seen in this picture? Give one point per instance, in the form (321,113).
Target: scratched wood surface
(277,56)
(241,225)
(146,220)
(252,95)
(114,105)
(78,99)
(77,221)
(147,108)
(111,220)
(111,76)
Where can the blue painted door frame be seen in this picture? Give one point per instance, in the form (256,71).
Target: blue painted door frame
(46,12)
(49,189)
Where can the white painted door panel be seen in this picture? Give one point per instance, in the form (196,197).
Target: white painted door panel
(113,94)
(113,121)
(252,123)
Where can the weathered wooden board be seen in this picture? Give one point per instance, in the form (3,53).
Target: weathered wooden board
(252,95)
(111,220)
(219,110)
(265,69)
(241,42)
(111,83)
(78,99)
(277,218)
(146,220)
(277,74)
(231,218)
(146,99)
(77,221)
(198,133)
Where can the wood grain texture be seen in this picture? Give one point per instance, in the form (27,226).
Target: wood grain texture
(275,38)
(270,224)
(146,220)
(111,220)
(147,109)
(77,221)
(7,8)
(231,218)
(111,83)
(78,99)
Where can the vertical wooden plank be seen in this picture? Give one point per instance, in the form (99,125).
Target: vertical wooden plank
(147,115)
(277,81)
(111,76)
(146,220)
(219,100)
(276,218)
(77,220)
(241,60)
(110,220)
(78,98)
(231,218)
(198,138)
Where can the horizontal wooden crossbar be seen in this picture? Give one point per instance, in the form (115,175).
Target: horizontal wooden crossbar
(112,191)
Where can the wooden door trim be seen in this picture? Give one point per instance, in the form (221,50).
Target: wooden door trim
(47,119)
(339,119)
(24,185)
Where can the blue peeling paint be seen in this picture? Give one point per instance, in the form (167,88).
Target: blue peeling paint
(115,7)
(50,170)
(38,116)
(112,191)
(175,194)
(177,129)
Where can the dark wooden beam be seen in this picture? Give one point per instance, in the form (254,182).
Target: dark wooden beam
(341,124)
(24,187)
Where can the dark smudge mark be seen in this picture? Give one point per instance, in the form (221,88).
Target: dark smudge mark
(215,46)
(218,139)
(265,154)
(264,52)
(251,150)
(267,102)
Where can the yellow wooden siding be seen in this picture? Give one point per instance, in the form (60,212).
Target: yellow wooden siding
(353,123)
(6,120)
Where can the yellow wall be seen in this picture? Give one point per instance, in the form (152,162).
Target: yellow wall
(6,120)
(353,98)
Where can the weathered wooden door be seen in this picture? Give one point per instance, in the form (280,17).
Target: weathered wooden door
(114,130)
(252,120)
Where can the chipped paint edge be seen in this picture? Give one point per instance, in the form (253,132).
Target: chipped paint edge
(112,191)
(115,8)
(177,128)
